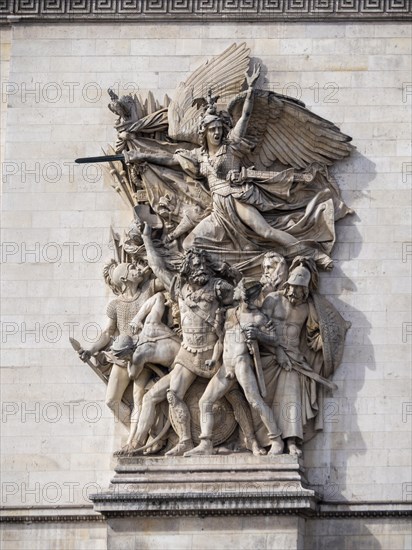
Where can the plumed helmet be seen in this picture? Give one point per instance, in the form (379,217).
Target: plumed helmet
(300,276)
(208,119)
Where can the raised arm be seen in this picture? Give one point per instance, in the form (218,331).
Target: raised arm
(154,260)
(241,126)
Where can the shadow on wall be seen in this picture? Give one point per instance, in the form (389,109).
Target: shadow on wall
(327,455)
(339,534)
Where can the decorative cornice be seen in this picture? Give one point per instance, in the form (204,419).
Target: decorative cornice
(64,518)
(48,514)
(98,11)
(371,509)
(197,504)
(324,511)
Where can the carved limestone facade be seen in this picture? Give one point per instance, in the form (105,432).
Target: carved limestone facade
(215,192)
(58,434)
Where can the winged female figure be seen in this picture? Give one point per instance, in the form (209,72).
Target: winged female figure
(235,172)
(291,208)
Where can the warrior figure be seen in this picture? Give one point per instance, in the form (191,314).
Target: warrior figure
(240,359)
(200,294)
(133,287)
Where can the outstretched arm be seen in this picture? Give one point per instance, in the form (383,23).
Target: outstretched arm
(103,341)
(154,260)
(134,157)
(241,125)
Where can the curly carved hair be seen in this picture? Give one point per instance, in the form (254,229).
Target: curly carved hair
(223,270)
(281,273)
(186,265)
(205,122)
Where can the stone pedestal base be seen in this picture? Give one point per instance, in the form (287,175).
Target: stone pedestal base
(247,490)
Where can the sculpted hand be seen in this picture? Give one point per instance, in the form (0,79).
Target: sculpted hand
(283,359)
(251,80)
(124,135)
(170,238)
(133,157)
(251,332)
(270,325)
(84,355)
(233,176)
(135,327)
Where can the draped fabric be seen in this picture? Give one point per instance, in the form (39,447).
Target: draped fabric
(295,399)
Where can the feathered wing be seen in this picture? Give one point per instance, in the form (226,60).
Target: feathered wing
(285,131)
(224,75)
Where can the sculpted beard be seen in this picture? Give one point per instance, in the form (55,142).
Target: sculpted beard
(267,283)
(200,275)
(296,295)
(265,279)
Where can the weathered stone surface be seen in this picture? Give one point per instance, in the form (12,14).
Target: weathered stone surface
(219,485)
(33,201)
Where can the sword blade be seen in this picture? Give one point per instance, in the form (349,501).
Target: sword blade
(75,344)
(105,158)
(254,346)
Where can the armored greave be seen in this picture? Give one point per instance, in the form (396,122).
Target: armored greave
(179,416)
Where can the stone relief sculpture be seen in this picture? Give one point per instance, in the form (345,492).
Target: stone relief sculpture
(218,314)
(241,363)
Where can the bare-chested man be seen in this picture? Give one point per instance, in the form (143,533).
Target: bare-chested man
(241,326)
(157,344)
(200,295)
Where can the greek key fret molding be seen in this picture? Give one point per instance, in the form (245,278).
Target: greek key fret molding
(35,11)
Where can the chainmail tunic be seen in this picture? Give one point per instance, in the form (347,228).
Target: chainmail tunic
(123,310)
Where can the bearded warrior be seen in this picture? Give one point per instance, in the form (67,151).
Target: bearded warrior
(307,346)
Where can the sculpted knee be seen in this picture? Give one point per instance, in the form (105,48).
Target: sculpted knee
(112,403)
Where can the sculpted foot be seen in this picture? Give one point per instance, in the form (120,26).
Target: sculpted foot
(205,447)
(293,449)
(257,450)
(124,451)
(134,447)
(181,448)
(154,448)
(324,261)
(277,447)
